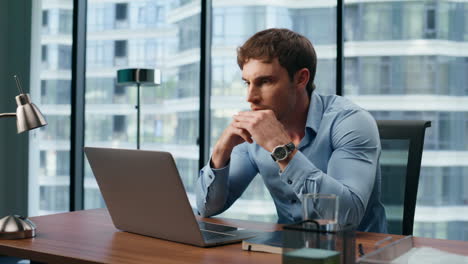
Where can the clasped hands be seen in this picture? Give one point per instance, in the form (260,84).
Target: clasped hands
(260,126)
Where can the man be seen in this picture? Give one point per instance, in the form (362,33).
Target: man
(297,140)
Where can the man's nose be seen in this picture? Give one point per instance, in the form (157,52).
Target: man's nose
(252,94)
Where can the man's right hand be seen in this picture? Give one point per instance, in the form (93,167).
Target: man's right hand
(231,137)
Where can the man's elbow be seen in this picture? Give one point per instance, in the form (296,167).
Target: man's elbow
(210,204)
(353,213)
(202,212)
(201,208)
(206,209)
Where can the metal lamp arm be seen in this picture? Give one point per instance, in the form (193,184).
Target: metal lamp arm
(7,115)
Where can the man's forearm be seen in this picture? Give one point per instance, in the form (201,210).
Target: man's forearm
(220,157)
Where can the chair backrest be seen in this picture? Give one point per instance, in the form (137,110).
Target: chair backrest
(402,145)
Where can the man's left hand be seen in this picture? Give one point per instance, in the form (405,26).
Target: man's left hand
(265,129)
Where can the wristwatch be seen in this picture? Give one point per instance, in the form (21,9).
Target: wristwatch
(281,152)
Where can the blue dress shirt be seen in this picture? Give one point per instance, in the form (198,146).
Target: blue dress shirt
(339,154)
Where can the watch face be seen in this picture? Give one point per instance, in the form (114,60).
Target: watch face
(280,153)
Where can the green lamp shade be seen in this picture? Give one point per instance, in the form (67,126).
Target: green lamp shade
(138,76)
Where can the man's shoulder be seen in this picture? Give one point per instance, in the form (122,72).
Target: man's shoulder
(345,119)
(340,111)
(337,104)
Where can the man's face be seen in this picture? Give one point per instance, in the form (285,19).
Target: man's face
(269,87)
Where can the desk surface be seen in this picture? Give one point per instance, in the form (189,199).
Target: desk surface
(90,237)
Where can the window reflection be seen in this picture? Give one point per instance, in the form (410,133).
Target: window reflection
(401,54)
(49,146)
(145,34)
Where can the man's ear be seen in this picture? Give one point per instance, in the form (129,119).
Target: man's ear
(301,78)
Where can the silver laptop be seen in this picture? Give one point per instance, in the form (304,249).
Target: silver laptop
(145,195)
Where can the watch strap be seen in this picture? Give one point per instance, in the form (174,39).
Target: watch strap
(291,147)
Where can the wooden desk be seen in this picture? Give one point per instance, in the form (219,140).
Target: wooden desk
(89,237)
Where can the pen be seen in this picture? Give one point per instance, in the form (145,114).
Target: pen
(361,250)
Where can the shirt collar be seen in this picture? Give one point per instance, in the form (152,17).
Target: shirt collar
(314,116)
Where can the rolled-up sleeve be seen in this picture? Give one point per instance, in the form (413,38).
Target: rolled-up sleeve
(351,170)
(217,189)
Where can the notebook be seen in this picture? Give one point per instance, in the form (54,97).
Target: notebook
(145,195)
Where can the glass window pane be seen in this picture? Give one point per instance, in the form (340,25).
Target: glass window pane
(395,67)
(143,34)
(233,24)
(49,146)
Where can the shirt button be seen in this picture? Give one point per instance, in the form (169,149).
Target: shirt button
(211,177)
(289,182)
(198,212)
(293,201)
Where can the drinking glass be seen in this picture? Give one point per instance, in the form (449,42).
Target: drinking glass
(322,208)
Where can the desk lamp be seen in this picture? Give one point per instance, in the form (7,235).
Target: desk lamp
(138,76)
(28,117)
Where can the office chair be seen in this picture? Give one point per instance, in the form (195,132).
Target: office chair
(402,145)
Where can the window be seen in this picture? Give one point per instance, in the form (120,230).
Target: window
(55,92)
(43,53)
(444,130)
(121,11)
(43,88)
(189,33)
(377,21)
(465,187)
(119,89)
(430,22)
(65,21)
(385,75)
(45,18)
(64,57)
(187,89)
(420,74)
(63,159)
(119,123)
(412,19)
(352,12)
(302,18)
(120,48)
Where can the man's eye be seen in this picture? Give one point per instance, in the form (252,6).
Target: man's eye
(264,81)
(246,83)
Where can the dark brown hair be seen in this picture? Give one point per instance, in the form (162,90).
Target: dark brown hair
(294,51)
